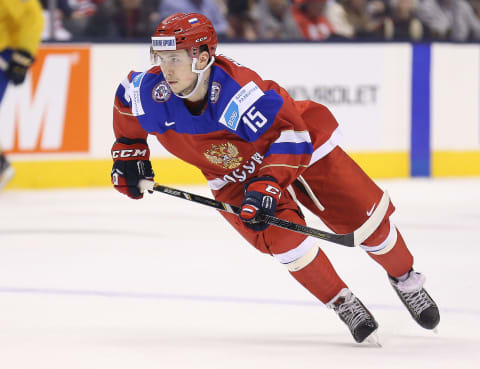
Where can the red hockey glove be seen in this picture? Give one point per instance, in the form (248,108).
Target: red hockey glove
(261,197)
(18,66)
(130,164)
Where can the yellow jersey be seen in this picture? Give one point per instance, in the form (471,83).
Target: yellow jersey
(21,25)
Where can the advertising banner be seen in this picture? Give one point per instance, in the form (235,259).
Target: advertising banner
(455,110)
(50,111)
(367,86)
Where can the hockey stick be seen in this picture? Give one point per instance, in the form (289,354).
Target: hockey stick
(347,239)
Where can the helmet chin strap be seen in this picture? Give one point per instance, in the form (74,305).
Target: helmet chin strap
(201,73)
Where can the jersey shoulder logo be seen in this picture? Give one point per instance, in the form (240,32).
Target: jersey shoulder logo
(225,155)
(239,104)
(215,92)
(137,80)
(137,108)
(161,92)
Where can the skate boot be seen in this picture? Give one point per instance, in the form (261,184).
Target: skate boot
(6,171)
(418,302)
(354,314)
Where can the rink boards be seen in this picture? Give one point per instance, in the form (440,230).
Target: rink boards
(405,110)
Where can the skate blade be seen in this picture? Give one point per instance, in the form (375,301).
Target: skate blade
(373,340)
(6,176)
(435,330)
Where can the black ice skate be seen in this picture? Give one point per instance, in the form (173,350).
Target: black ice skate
(6,171)
(355,315)
(418,302)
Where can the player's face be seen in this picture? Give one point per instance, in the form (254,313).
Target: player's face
(177,68)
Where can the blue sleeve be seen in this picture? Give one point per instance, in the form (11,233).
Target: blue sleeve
(123,90)
(122,95)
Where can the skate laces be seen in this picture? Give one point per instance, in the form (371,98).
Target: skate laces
(418,301)
(413,293)
(350,310)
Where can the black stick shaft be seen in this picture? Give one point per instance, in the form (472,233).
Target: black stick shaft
(340,239)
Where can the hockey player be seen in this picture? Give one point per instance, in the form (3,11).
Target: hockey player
(21,25)
(265,152)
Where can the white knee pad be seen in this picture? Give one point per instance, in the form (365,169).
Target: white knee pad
(386,245)
(299,257)
(372,223)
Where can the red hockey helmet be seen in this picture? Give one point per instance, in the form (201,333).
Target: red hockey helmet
(185,31)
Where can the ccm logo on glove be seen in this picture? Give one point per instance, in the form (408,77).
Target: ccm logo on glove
(129,153)
(273,190)
(130,164)
(261,197)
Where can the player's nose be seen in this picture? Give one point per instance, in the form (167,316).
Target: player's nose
(168,72)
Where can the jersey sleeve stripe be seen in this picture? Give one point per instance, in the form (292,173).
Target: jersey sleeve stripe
(294,136)
(290,148)
(283,165)
(122,112)
(125,84)
(328,146)
(122,92)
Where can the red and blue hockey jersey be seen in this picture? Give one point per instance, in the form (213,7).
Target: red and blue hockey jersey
(249,127)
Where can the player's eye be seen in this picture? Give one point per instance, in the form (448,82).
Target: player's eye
(157,58)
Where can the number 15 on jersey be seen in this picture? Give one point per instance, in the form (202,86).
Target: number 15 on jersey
(254,119)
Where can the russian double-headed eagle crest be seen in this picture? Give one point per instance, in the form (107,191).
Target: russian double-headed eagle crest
(224,155)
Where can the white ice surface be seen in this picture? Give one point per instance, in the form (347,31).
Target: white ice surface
(92,280)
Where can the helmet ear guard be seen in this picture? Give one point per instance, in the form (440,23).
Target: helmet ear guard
(200,73)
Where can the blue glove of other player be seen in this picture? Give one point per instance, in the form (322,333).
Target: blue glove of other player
(261,197)
(130,164)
